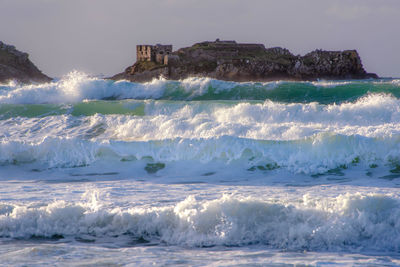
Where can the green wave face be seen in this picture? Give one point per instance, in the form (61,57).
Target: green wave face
(125,98)
(122,107)
(30,111)
(300,92)
(108,107)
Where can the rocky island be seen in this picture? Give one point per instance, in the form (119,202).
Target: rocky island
(232,61)
(15,65)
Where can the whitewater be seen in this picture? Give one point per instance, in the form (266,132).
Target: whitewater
(200,172)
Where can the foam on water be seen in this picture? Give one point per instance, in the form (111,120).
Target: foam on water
(302,138)
(313,155)
(279,168)
(351,222)
(374,115)
(76,87)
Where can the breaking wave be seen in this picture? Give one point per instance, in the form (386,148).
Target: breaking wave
(76,87)
(347,222)
(317,154)
(308,138)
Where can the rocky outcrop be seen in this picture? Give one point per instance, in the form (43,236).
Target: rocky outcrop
(228,60)
(15,65)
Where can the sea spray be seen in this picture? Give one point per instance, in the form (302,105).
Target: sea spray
(313,155)
(77,86)
(206,171)
(351,222)
(308,138)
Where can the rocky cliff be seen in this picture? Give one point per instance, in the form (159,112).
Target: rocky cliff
(15,65)
(228,60)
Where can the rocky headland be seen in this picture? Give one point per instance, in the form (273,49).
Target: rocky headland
(15,65)
(228,60)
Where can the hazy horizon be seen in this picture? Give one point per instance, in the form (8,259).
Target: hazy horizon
(100,37)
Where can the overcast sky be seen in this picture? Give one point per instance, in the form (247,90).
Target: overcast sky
(100,36)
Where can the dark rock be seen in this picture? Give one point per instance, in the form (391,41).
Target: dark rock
(228,60)
(15,65)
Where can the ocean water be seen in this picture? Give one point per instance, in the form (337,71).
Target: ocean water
(200,172)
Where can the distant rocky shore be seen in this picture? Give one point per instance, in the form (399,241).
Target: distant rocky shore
(15,65)
(223,60)
(228,60)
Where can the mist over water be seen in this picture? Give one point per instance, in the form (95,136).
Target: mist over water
(200,164)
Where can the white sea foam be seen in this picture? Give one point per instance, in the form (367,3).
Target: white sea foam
(351,222)
(77,86)
(331,84)
(302,138)
(121,180)
(372,116)
(313,155)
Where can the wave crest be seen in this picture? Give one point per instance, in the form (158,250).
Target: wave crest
(77,86)
(314,155)
(351,222)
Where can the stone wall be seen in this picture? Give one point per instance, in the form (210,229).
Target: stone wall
(155,53)
(143,52)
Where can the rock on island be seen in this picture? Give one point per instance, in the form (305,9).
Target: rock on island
(232,61)
(15,65)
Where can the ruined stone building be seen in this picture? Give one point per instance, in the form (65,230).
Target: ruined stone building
(156,53)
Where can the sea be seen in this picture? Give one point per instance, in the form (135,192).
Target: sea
(200,172)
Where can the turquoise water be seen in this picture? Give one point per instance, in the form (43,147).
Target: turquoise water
(200,172)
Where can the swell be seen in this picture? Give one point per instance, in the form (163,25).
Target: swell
(349,222)
(76,87)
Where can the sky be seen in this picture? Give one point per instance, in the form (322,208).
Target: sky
(100,36)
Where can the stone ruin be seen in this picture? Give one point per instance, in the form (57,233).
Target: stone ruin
(155,53)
